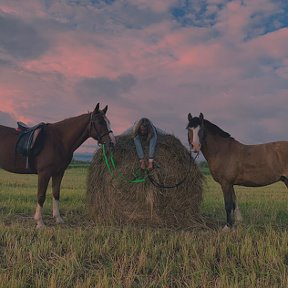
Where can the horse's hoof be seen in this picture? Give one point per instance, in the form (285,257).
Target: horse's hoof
(226,228)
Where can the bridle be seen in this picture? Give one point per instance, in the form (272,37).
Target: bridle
(92,124)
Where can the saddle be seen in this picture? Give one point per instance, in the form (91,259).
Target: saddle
(30,140)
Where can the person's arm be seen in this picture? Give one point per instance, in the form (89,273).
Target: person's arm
(152,143)
(138,145)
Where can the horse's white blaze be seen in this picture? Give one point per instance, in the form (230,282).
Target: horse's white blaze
(56,212)
(38,217)
(111,135)
(196,141)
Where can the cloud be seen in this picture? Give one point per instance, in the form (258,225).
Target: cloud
(20,39)
(5,63)
(7,120)
(197,13)
(105,87)
(282,69)
(133,16)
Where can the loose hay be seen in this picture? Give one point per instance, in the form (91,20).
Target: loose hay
(114,200)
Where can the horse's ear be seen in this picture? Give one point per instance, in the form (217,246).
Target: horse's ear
(105,109)
(189,117)
(201,117)
(96,108)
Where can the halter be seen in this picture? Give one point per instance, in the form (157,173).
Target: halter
(92,124)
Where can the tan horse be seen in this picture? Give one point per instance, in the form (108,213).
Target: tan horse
(61,140)
(233,163)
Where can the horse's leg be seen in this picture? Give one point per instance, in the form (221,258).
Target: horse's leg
(228,192)
(43,180)
(56,183)
(237,213)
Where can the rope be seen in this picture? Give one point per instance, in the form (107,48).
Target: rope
(148,175)
(106,161)
(137,180)
(162,186)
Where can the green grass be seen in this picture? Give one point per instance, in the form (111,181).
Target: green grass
(82,254)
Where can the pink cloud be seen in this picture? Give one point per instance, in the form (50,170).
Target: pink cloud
(24,9)
(270,45)
(6,99)
(233,19)
(8,96)
(72,56)
(201,56)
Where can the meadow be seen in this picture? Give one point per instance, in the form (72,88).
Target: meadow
(80,253)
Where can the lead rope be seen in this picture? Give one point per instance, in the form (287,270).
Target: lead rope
(137,180)
(162,186)
(148,175)
(106,161)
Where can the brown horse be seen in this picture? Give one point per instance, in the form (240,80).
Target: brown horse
(61,140)
(233,163)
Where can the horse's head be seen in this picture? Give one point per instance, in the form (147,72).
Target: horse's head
(195,129)
(99,127)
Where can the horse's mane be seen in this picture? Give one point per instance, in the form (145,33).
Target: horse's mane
(214,129)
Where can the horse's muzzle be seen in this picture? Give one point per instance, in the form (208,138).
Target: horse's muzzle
(196,147)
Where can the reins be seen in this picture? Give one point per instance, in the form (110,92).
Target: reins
(148,175)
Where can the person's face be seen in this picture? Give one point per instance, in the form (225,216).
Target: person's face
(143,129)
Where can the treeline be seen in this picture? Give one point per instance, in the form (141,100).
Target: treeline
(79,163)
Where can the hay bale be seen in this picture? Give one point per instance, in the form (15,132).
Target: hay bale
(114,200)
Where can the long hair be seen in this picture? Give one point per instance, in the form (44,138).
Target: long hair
(146,122)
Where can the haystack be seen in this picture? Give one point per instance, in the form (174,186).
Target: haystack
(116,199)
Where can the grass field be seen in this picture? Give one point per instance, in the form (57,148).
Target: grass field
(82,254)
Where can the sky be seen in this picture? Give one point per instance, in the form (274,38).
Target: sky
(147,58)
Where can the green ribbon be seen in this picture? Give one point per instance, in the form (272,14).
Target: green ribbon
(106,160)
(137,180)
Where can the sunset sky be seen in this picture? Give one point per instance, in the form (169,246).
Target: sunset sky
(155,58)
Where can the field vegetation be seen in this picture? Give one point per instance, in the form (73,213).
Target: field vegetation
(80,253)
